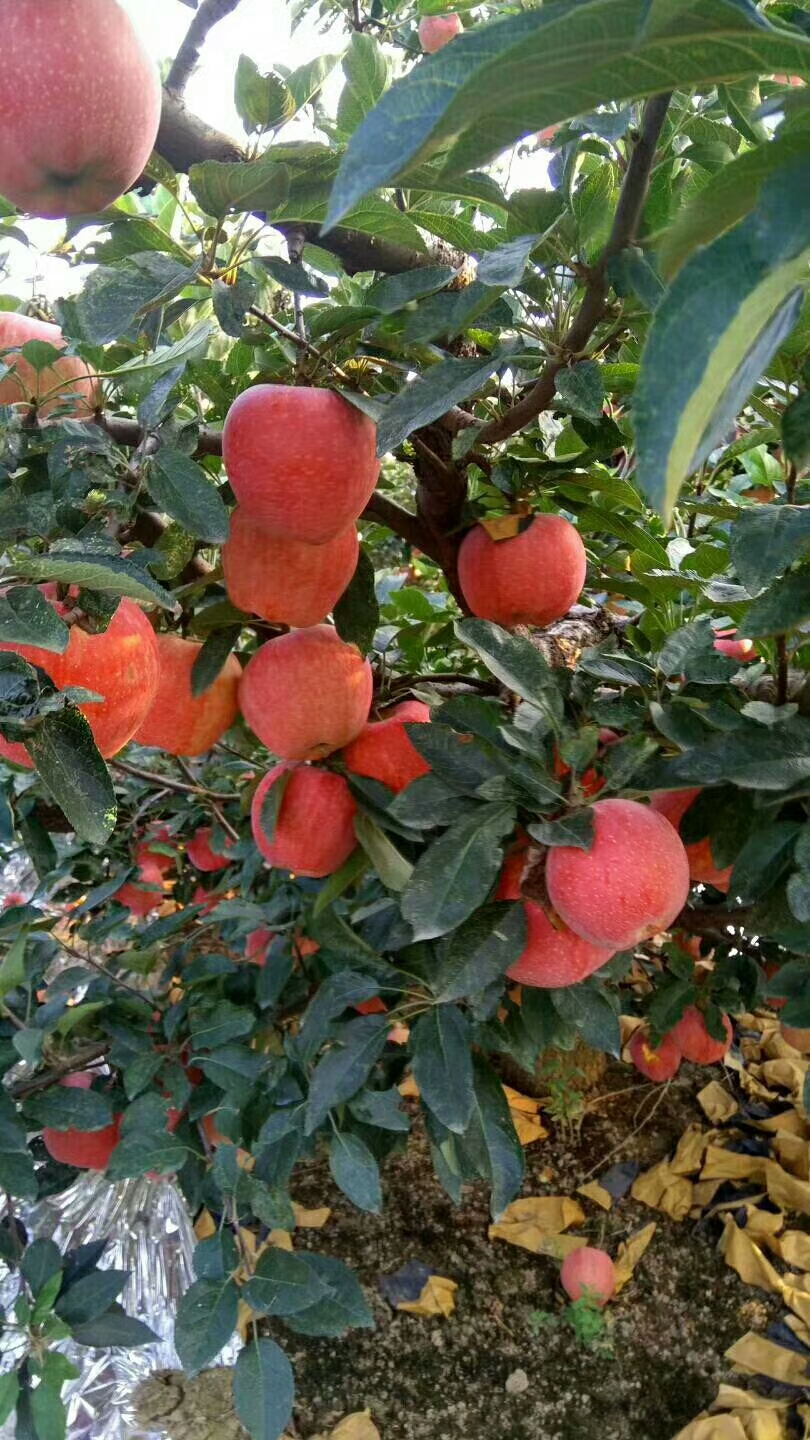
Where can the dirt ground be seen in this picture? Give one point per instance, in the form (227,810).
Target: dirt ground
(449,1379)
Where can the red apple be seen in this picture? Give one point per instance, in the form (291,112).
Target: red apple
(80,105)
(287,582)
(178,721)
(306,694)
(314,828)
(84,1149)
(692,1038)
(302,462)
(66,386)
(202,854)
(436,31)
(531,578)
(588,1273)
(384,750)
(657,1063)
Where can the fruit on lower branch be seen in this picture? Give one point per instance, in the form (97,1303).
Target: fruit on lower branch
(178,721)
(80,105)
(120,664)
(313,834)
(631,883)
(736,649)
(384,750)
(589,1274)
(799,1038)
(554,956)
(202,854)
(302,462)
(142,899)
(692,1037)
(84,1149)
(157,835)
(288,582)
(656,1062)
(531,578)
(306,694)
(66,386)
(673,805)
(436,31)
(258,944)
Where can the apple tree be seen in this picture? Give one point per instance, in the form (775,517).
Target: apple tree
(403,633)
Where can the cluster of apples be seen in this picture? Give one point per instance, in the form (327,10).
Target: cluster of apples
(689,1040)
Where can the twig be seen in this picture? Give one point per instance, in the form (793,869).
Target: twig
(102,970)
(781,670)
(167,782)
(226,824)
(187,57)
(622,1145)
(301,340)
(625,225)
(55,1072)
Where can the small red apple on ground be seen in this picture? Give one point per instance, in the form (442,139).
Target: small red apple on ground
(306,693)
(384,751)
(531,578)
(590,1274)
(694,1041)
(631,883)
(288,582)
(178,721)
(436,31)
(314,830)
(657,1063)
(302,462)
(80,109)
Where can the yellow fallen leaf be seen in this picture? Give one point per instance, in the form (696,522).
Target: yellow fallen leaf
(714,1427)
(788,1074)
(536,1223)
(630,1252)
(763,1224)
(310,1219)
(755,1355)
(731,1397)
(662,1190)
(438,1297)
(525,1116)
(794,1248)
(716,1103)
(205,1225)
(691,1148)
(359,1426)
(793,1154)
(596,1192)
(744,1255)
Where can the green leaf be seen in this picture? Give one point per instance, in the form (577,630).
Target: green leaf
(296,278)
(48,1412)
(344,1069)
(441,1057)
(307,80)
(501,81)
(456,872)
(220,186)
(40,1263)
(593,1016)
(90,1296)
(749,756)
(263,101)
(395,292)
(111,574)
(730,195)
(766,540)
(282,1284)
(188,495)
(232,302)
(214,1024)
(381,1109)
(355,1171)
(505,265)
(114,296)
(575,829)
(366,70)
(582,390)
(64,1108)
(12,969)
(9,1391)
(113,1328)
(146,1143)
(212,657)
(786,606)
(492,1139)
(357,613)
(510,658)
(216,1257)
(64,752)
(481,951)
(26,618)
(727,312)
(263,1389)
(796,429)
(763,859)
(690,651)
(343,1306)
(392,867)
(145,370)
(431,395)
(206,1320)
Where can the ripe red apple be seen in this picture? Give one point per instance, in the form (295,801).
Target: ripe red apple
(80,105)
(436,31)
(157,835)
(84,1149)
(288,582)
(375,1006)
(178,721)
(207,901)
(121,664)
(588,1273)
(384,751)
(314,830)
(137,899)
(631,883)
(15,898)
(202,854)
(673,805)
(306,694)
(67,383)
(531,578)
(736,649)
(656,1063)
(554,956)
(258,944)
(694,1041)
(302,462)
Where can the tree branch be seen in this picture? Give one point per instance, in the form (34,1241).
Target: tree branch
(187,57)
(625,225)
